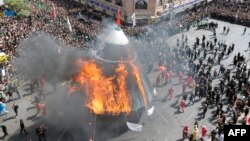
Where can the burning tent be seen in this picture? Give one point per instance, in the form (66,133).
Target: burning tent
(112,81)
(108,88)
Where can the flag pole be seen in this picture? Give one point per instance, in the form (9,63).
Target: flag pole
(133,10)
(133,6)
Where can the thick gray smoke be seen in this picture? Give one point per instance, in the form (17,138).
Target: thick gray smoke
(151,44)
(39,57)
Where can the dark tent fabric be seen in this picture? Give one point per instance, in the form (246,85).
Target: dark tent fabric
(9,13)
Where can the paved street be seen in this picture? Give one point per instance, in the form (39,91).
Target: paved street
(166,121)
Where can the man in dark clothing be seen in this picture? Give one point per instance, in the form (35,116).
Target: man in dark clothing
(246,111)
(22,126)
(40,132)
(203,38)
(13,88)
(224,29)
(15,108)
(245,29)
(4,128)
(205,54)
(217,99)
(213,135)
(204,110)
(197,41)
(215,40)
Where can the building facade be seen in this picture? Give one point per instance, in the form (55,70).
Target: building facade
(145,10)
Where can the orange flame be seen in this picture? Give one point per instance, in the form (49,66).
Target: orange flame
(139,82)
(105,94)
(137,78)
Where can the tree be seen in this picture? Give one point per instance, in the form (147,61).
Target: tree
(19,6)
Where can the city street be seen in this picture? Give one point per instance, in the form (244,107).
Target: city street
(165,124)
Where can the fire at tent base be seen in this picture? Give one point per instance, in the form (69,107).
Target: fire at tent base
(97,92)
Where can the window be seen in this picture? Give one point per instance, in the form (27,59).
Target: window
(141,4)
(160,3)
(108,1)
(118,2)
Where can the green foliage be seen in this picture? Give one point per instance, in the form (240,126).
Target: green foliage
(19,6)
(23,13)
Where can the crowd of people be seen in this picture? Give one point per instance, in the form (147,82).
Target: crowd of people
(198,61)
(230,11)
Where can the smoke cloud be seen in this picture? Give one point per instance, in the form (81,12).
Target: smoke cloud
(39,57)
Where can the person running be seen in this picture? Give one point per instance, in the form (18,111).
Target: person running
(183,105)
(224,29)
(204,111)
(228,29)
(39,107)
(245,29)
(15,108)
(5,132)
(180,76)
(22,126)
(170,92)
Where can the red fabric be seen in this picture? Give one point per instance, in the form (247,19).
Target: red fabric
(183,103)
(53,12)
(248,121)
(203,131)
(118,20)
(162,68)
(185,128)
(40,106)
(189,80)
